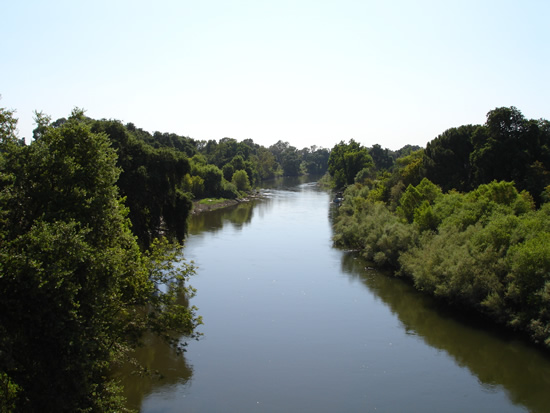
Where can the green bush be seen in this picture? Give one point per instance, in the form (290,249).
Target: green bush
(240,180)
(229,190)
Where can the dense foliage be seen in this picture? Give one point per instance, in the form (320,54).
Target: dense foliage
(161,173)
(151,180)
(346,161)
(76,291)
(507,147)
(485,249)
(91,214)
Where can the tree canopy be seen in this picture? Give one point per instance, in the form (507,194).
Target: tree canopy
(466,219)
(76,291)
(507,147)
(346,160)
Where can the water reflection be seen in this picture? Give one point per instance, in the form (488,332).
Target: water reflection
(294,184)
(164,369)
(237,215)
(241,214)
(494,357)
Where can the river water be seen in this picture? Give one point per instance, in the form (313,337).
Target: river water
(292,324)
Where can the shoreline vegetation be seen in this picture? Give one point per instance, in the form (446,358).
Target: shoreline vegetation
(210,204)
(467,219)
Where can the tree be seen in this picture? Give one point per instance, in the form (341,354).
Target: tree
(224,152)
(288,158)
(212,177)
(381,157)
(410,167)
(497,146)
(291,161)
(267,164)
(240,180)
(447,158)
(346,160)
(152,182)
(76,292)
(511,148)
(316,160)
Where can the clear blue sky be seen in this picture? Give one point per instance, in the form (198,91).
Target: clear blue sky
(310,72)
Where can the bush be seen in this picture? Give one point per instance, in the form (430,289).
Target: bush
(380,235)
(229,190)
(240,180)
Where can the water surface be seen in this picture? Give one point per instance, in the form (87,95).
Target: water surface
(295,325)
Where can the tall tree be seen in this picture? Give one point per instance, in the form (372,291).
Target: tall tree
(447,158)
(511,148)
(381,157)
(76,292)
(151,180)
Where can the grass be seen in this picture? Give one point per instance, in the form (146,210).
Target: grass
(212,201)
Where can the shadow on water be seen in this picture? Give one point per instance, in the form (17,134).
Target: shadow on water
(212,221)
(497,359)
(164,369)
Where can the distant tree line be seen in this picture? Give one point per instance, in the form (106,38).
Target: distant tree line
(467,219)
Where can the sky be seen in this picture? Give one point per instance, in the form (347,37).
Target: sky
(307,72)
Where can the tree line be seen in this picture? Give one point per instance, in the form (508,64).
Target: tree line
(467,219)
(161,173)
(92,216)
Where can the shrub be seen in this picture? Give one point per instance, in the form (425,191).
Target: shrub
(240,180)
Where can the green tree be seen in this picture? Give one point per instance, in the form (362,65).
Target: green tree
(410,168)
(267,164)
(316,160)
(447,158)
(228,171)
(76,292)
(346,160)
(212,177)
(240,180)
(511,148)
(152,180)
(381,157)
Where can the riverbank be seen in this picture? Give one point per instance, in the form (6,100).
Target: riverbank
(482,251)
(209,204)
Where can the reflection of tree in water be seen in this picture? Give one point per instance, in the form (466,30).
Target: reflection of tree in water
(241,214)
(153,366)
(214,220)
(289,183)
(494,357)
(163,367)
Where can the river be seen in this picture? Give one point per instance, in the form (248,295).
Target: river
(292,324)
